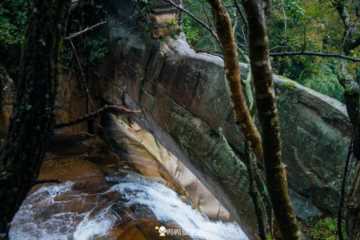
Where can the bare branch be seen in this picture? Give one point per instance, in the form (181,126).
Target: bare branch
(349,24)
(315,54)
(340,7)
(107,108)
(240,12)
(76,34)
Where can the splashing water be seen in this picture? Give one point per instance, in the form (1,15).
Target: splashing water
(167,206)
(29,223)
(98,226)
(41,217)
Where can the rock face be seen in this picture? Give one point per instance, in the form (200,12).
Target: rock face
(185,103)
(316,133)
(185,93)
(145,151)
(101,195)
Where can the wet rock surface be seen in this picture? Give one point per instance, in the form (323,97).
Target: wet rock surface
(89,192)
(185,93)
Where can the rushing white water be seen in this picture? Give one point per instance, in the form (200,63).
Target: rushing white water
(42,217)
(167,206)
(53,222)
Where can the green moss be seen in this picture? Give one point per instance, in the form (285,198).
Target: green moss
(13,18)
(288,84)
(172,22)
(324,229)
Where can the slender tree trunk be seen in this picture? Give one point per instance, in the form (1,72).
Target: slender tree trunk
(252,136)
(353,208)
(32,119)
(232,71)
(268,115)
(352,199)
(352,100)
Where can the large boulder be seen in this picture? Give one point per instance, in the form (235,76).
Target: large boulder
(186,94)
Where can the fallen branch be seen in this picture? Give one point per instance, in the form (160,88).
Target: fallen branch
(107,108)
(316,54)
(76,34)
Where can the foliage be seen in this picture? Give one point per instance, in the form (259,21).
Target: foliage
(13,18)
(96,49)
(294,25)
(91,46)
(325,229)
(193,34)
(196,35)
(324,80)
(320,229)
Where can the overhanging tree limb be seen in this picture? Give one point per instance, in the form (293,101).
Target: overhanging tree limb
(87,29)
(315,54)
(107,108)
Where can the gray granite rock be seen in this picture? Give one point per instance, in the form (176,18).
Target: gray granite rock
(186,94)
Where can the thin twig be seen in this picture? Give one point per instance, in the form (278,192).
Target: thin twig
(241,14)
(76,34)
(316,54)
(82,73)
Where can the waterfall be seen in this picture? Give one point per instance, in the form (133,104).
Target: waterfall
(46,215)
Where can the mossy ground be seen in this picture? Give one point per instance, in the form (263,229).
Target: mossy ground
(321,229)
(318,229)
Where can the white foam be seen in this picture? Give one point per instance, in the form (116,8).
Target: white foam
(41,216)
(98,226)
(167,206)
(33,221)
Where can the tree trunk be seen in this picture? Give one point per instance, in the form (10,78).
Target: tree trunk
(352,100)
(232,70)
(353,208)
(268,116)
(239,100)
(32,119)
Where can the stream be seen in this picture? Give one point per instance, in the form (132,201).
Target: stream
(46,214)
